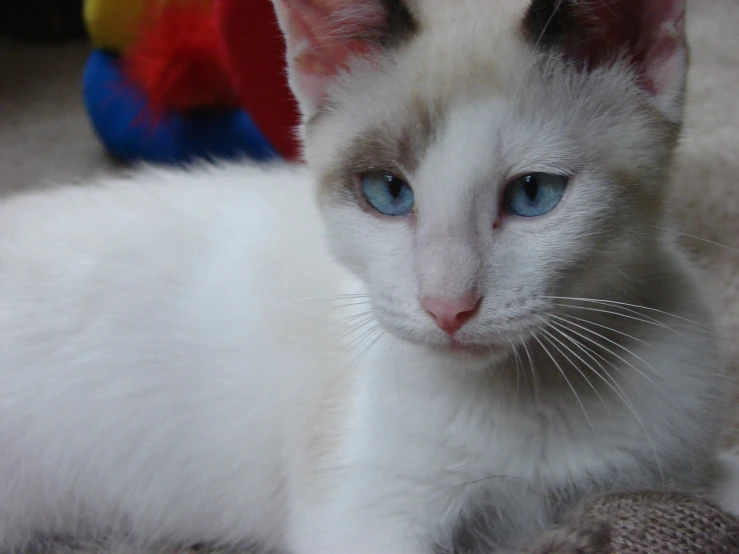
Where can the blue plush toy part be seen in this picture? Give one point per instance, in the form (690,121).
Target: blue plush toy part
(118,114)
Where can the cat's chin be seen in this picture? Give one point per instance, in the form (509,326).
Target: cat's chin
(454,348)
(471,351)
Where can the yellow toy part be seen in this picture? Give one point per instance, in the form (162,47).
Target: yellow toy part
(113,24)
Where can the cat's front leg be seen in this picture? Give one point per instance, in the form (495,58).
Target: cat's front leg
(348,535)
(357,521)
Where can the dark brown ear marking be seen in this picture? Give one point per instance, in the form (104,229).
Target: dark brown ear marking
(587,31)
(546,21)
(401,24)
(592,31)
(648,34)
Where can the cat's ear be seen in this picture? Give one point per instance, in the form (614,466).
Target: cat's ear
(323,36)
(649,33)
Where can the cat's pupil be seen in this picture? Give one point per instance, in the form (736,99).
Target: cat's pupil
(394,186)
(530,187)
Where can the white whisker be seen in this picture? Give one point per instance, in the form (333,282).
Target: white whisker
(611,312)
(327,298)
(632,337)
(371,343)
(609,351)
(534,375)
(572,363)
(613,384)
(329,328)
(518,366)
(621,304)
(696,238)
(564,375)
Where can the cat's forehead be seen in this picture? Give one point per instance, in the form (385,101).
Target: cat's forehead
(440,13)
(469,95)
(391,118)
(456,57)
(464,46)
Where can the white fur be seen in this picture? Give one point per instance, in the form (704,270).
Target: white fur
(182,359)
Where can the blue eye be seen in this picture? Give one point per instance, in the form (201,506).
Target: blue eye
(535,194)
(387,194)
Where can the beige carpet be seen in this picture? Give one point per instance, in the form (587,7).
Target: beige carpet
(44,133)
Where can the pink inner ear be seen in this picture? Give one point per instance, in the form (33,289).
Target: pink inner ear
(661,43)
(653,31)
(325,34)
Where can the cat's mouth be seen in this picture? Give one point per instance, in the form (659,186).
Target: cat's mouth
(493,346)
(477,350)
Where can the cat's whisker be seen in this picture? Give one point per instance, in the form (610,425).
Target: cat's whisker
(619,314)
(366,314)
(348,305)
(681,233)
(369,318)
(628,310)
(621,272)
(622,304)
(327,298)
(335,324)
(617,389)
(608,350)
(534,374)
(567,380)
(606,327)
(356,321)
(356,342)
(517,359)
(325,307)
(592,354)
(551,338)
(370,344)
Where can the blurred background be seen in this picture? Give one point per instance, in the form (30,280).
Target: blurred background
(44,130)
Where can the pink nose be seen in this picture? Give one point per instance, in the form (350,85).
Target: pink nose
(450,315)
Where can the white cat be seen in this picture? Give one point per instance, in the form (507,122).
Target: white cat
(507,328)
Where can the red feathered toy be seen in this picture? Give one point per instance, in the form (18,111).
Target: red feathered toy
(225,58)
(255,51)
(178,58)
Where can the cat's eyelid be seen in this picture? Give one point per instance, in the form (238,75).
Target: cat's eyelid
(391,169)
(512,176)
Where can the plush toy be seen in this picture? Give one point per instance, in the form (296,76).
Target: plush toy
(167,84)
(249,27)
(112,25)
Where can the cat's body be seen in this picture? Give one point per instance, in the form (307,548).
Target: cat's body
(208,356)
(229,402)
(190,315)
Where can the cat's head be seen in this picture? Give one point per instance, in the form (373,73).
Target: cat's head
(476,158)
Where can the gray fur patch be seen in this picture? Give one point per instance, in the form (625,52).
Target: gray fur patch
(397,151)
(401,25)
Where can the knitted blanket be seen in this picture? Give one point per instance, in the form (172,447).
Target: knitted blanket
(644,523)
